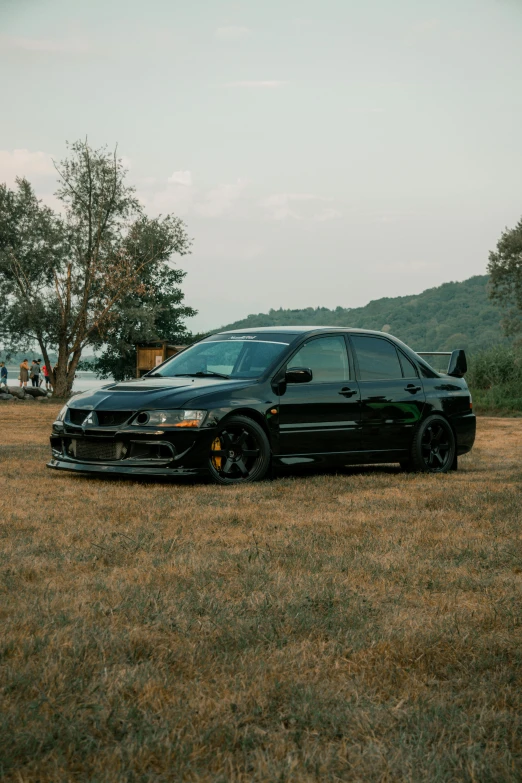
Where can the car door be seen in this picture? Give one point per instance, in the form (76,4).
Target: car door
(392,395)
(322,416)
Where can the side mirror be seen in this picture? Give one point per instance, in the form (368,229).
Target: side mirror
(298,375)
(458,365)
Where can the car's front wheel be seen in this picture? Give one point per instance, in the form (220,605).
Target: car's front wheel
(433,449)
(240,452)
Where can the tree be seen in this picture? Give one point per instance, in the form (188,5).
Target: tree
(155,313)
(68,279)
(32,241)
(505,268)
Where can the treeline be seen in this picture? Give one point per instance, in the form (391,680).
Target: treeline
(16,357)
(452,315)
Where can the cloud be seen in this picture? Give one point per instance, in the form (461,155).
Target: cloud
(324,215)
(263,83)
(281,206)
(24,163)
(219,201)
(182,197)
(46,45)
(180,178)
(231,33)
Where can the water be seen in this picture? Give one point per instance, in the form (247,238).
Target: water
(83,381)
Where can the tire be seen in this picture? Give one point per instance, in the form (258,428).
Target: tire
(433,449)
(240,452)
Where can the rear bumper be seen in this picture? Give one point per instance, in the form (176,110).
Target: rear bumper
(465,426)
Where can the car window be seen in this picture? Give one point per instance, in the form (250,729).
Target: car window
(255,358)
(377,358)
(235,358)
(408,368)
(326,357)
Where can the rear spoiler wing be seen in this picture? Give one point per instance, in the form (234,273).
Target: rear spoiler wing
(457,365)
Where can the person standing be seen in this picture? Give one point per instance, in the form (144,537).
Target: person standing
(24,372)
(45,373)
(35,373)
(3,375)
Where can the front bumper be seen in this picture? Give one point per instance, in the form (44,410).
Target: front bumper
(126,451)
(106,469)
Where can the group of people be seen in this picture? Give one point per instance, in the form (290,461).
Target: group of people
(36,374)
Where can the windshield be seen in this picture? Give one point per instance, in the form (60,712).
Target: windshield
(227,356)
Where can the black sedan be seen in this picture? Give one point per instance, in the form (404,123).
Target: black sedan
(238,404)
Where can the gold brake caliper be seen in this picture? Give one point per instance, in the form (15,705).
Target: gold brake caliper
(216,460)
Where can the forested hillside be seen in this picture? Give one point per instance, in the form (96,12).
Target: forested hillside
(453,315)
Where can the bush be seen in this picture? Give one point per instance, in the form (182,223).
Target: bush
(495,380)
(500,365)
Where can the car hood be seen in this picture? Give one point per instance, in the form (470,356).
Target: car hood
(153,393)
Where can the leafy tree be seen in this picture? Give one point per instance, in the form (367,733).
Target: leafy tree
(155,313)
(505,268)
(70,280)
(32,247)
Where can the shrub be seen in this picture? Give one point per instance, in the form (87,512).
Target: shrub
(500,365)
(495,380)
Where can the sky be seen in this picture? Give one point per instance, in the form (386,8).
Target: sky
(321,152)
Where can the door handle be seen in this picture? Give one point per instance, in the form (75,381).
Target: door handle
(412,388)
(347,392)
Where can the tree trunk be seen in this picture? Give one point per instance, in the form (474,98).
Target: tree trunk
(65,371)
(71,372)
(61,385)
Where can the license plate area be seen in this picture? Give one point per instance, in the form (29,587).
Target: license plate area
(97,451)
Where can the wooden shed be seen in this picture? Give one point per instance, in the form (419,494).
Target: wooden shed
(150,355)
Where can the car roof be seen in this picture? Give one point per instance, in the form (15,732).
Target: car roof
(300,330)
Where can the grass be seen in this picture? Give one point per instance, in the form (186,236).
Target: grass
(363,626)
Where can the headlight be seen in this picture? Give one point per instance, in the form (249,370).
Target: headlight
(61,415)
(170,418)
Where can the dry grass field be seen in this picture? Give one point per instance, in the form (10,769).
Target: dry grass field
(363,626)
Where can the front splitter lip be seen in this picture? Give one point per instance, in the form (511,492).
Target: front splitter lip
(123,470)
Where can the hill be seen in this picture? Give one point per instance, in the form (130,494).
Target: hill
(452,315)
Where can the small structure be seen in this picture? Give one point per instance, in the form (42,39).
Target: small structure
(150,355)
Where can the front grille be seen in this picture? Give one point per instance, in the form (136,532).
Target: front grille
(102,452)
(112,418)
(77,416)
(100,418)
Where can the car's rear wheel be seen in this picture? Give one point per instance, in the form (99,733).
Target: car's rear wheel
(240,452)
(433,449)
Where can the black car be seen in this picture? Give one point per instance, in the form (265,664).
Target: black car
(239,403)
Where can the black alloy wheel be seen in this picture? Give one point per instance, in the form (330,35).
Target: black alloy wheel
(433,448)
(240,452)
